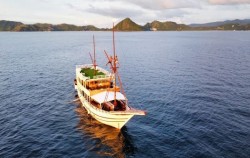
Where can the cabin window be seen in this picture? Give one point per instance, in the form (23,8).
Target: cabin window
(87,85)
(94,103)
(85,95)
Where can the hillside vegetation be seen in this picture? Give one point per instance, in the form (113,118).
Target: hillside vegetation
(129,25)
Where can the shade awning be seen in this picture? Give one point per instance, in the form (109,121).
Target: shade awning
(100,97)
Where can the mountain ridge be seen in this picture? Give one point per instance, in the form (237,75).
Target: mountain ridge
(128,25)
(218,23)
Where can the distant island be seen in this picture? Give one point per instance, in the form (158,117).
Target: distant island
(128,25)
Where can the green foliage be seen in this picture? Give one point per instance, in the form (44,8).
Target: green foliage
(90,72)
(235,27)
(25,28)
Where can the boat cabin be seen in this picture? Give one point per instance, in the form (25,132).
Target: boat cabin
(99,90)
(105,101)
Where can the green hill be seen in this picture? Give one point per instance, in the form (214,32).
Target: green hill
(18,26)
(220,23)
(234,26)
(91,28)
(128,25)
(8,25)
(66,27)
(165,26)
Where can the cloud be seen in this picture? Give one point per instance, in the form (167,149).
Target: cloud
(165,4)
(136,8)
(71,6)
(118,9)
(140,11)
(228,2)
(175,13)
(158,4)
(115,11)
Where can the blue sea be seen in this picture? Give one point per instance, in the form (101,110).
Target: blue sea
(195,87)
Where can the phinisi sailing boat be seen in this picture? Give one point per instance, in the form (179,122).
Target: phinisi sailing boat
(100,94)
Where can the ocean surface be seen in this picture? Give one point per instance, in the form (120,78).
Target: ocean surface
(195,87)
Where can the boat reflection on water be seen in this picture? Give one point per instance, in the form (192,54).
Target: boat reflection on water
(107,141)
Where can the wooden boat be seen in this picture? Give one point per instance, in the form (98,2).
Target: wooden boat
(100,94)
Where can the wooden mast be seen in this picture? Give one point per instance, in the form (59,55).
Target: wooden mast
(94,52)
(93,60)
(114,63)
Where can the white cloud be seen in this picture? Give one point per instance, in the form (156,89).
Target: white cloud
(115,10)
(146,12)
(228,2)
(165,4)
(101,13)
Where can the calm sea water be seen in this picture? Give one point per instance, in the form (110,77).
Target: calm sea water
(195,87)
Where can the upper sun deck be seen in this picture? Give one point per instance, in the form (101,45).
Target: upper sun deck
(87,72)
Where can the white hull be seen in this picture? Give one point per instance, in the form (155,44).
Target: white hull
(115,119)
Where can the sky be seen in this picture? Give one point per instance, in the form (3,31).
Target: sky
(102,13)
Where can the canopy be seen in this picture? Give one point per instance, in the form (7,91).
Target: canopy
(100,97)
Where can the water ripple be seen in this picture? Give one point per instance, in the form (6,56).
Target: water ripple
(194,86)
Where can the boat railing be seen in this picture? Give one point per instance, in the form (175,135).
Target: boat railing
(100,76)
(91,65)
(84,66)
(85,77)
(133,111)
(106,73)
(103,70)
